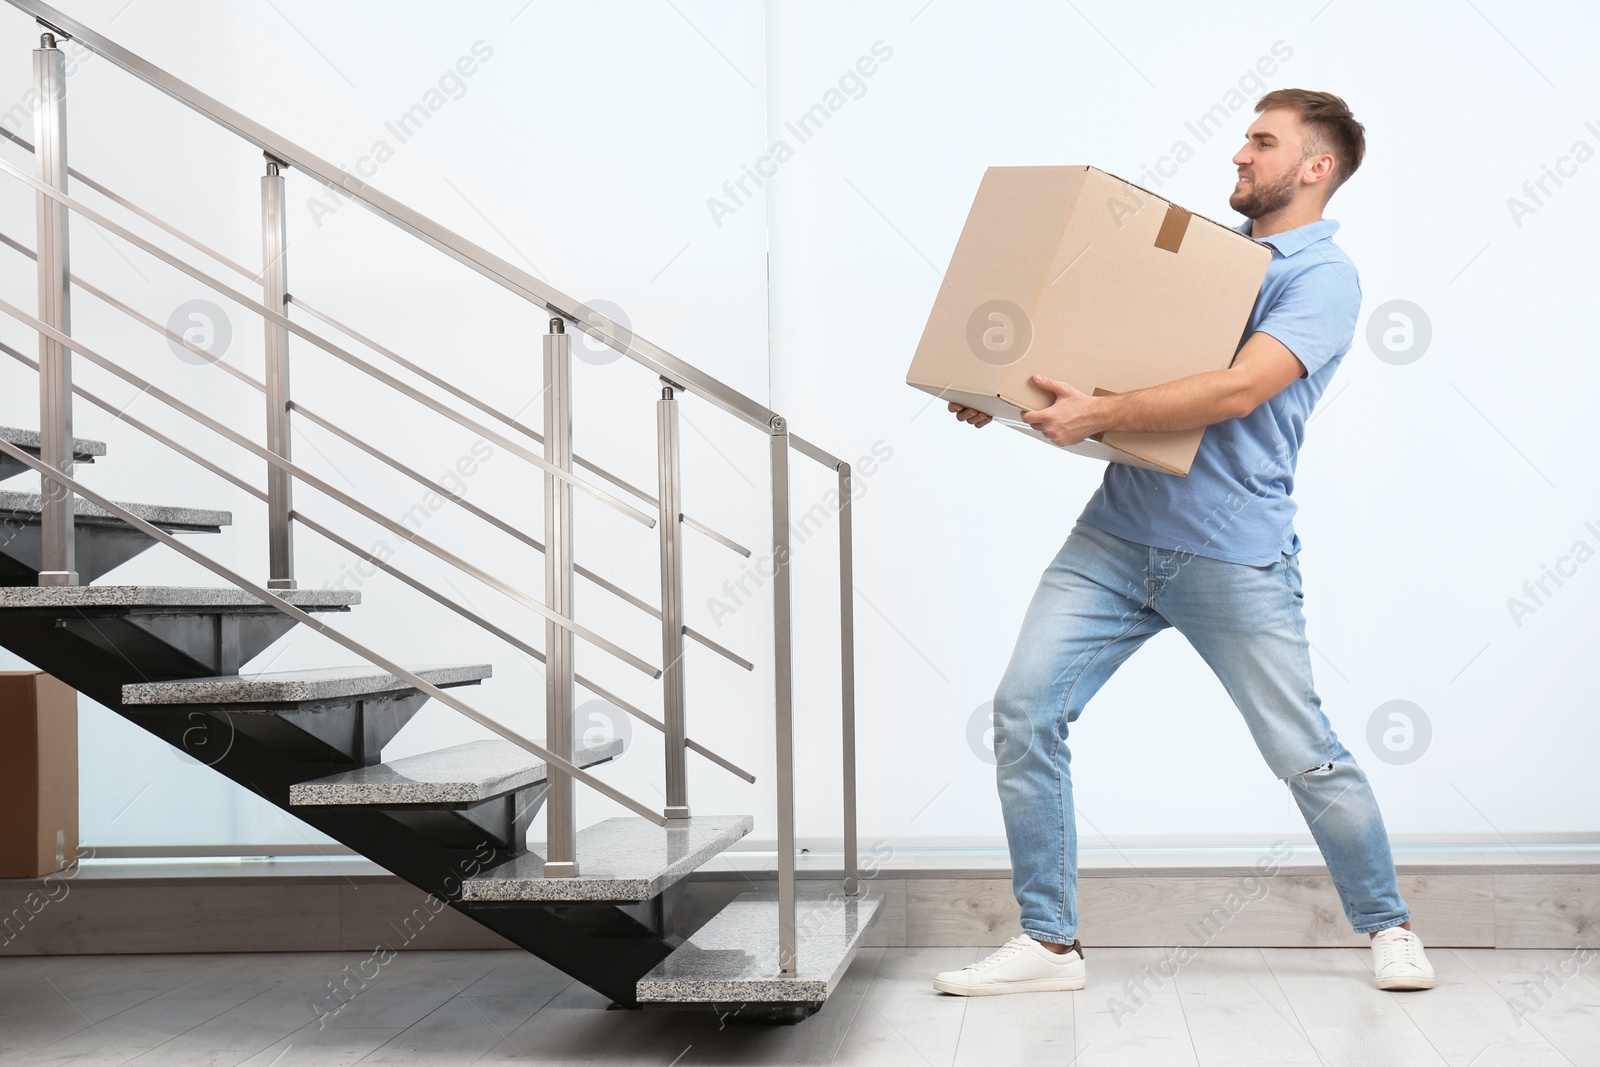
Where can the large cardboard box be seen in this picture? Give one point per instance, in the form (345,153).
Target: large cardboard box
(38,774)
(1074,273)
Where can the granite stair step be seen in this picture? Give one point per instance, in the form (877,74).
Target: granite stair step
(22,507)
(626,859)
(168,597)
(295,687)
(732,960)
(463,797)
(339,715)
(110,635)
(460,775)
(83,450)
(101,542)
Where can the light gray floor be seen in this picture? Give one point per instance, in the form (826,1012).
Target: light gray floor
(1225,1006)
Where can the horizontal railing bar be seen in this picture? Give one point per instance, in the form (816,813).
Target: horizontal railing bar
(655,613)
(421,372)
(726,542)
(327,346)
(509,420)
(414,475)
(695,635)
(616,590)
(315,527)
(422,479)
(243,376)
(122,415)
(154,220)
(477,258)
(306,619)
(607,695)
(402,361)
(323,487)
(407,471)
(508,638)
(486,516)
(462,394)
(694,746)
(504,588)
(96,291)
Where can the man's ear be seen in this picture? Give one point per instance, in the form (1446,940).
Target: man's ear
(1322,169)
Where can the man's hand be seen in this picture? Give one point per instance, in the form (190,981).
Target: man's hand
(1070,419)
(972,415)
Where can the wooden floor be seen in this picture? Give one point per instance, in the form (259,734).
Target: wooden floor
(1225,1006)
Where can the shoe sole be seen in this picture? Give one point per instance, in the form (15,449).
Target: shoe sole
(1397,984)
(1033,985)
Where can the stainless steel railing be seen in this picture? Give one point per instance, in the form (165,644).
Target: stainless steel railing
(74,487)
(555,460)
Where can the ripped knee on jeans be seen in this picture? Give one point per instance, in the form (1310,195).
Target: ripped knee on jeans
(1317,771)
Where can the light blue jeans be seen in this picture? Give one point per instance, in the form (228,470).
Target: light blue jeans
(1100,599)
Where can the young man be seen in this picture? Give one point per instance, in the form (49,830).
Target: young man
(1214,554)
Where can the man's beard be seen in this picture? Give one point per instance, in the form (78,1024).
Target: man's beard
(1258,200)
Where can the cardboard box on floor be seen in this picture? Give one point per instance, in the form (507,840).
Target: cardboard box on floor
(1073,273)
(38,774)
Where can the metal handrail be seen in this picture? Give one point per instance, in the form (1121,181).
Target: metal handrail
(421,372)
(327,346)
(510,420)
(416,476)
(658,360)
(267,597)
(55,384)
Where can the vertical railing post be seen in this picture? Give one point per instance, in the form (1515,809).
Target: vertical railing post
(847,677)
(561,824)
(671,531)
(275,288)
(783,692)
(58,564)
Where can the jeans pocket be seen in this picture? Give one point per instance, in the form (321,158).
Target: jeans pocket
(1291,574)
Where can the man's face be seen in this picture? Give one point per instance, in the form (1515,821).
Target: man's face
(1270,164)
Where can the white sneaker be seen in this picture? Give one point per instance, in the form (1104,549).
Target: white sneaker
(1398,960)
(1021,965)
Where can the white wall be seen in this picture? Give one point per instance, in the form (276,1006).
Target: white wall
(1429,492)
(587,149)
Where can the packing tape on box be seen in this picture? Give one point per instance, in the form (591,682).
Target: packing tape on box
(1173,227)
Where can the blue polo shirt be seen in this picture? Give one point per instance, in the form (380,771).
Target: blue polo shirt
(1234,503)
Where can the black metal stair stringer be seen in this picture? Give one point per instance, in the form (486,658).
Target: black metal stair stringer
(605,946)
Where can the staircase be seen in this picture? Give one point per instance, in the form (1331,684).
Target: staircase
(595,901)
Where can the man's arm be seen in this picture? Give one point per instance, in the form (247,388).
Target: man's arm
(1263,367)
